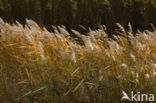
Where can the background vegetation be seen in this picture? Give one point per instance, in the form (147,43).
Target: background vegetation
(85,12)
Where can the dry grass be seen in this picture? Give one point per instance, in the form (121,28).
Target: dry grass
(37,66)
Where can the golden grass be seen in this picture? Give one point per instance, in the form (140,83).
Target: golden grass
(45,67)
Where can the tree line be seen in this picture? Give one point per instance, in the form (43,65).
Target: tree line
(71,13)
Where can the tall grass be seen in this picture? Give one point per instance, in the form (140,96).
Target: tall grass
(44,67)
(75,12)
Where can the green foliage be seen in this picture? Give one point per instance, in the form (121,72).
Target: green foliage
(85,12)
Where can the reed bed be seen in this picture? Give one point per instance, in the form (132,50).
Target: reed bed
(38,66)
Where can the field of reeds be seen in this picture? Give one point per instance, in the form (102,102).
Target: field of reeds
(80,12)
(38,66)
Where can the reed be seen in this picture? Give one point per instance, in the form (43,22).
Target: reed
(52,67)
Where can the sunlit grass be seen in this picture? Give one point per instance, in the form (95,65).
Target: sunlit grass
(41,66)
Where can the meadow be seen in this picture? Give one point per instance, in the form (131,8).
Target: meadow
(38,66)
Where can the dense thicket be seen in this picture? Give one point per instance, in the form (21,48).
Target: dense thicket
(85,12)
